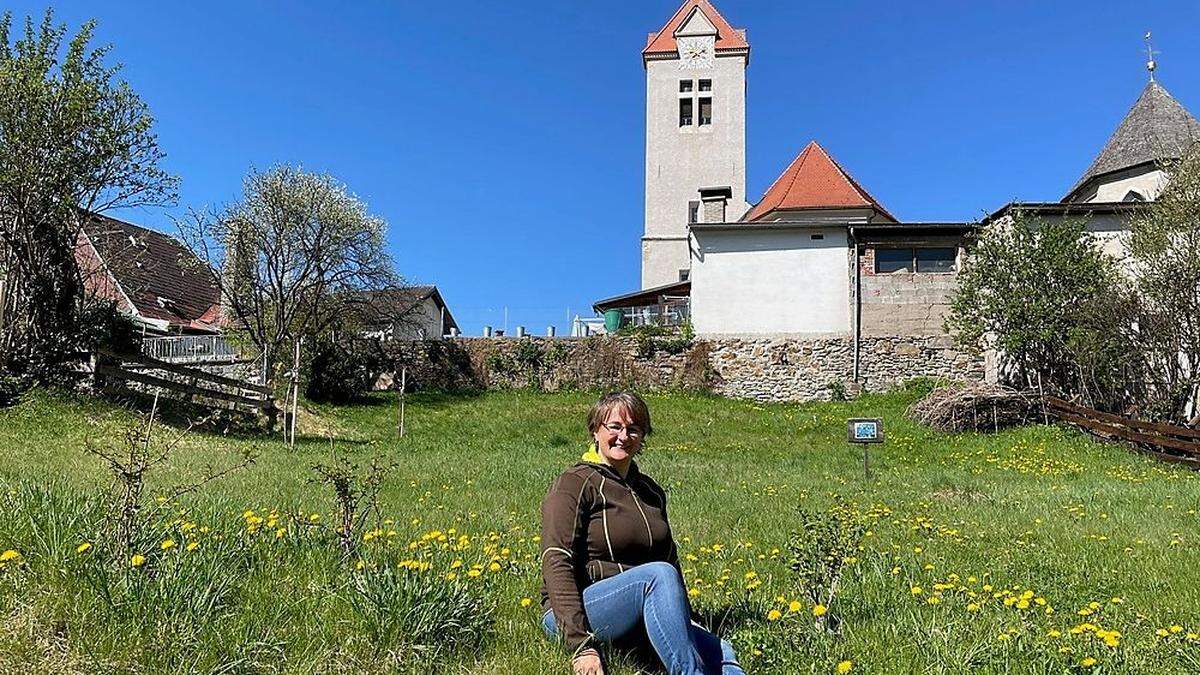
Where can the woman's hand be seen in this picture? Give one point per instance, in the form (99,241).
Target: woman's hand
(587,662)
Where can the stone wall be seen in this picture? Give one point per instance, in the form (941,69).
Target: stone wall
(765,369)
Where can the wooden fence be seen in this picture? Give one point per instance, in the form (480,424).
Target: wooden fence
(193,384)
(1168,442)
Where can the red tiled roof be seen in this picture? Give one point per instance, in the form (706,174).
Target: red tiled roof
(728,37)
(814,181)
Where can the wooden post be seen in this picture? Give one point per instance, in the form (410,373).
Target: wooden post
(403,386)
(295,392)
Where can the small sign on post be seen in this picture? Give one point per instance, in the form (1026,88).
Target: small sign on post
(865,432)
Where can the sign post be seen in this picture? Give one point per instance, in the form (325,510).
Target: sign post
(865,432)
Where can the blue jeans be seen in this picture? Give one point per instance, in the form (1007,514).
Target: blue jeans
(652,595)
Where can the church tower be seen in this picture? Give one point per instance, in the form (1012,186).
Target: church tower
(695,134)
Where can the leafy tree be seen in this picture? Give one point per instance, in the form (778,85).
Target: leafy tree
(1026,288)
(1164,247)
(290,256)
(74,140)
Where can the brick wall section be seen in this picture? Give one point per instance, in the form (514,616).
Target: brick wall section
(764,369)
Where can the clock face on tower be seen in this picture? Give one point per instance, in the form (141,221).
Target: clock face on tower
(695,53)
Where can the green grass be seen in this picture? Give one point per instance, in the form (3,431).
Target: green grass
(1040,508)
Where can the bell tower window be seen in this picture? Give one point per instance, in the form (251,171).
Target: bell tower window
(695,111)
(685,112)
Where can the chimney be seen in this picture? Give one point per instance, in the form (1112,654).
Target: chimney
(713,202)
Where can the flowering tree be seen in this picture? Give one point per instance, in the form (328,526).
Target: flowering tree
(290,255)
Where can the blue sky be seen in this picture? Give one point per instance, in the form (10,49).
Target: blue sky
(503,141)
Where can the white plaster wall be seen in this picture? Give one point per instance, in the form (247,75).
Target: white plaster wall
(424,323)
(771,282)
(681,160)
(662,260)
(1149,184)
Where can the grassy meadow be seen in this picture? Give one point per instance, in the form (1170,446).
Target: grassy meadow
(1033,550)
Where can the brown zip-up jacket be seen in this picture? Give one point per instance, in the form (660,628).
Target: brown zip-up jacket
(595,525)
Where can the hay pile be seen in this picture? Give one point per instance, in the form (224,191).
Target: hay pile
(975,407)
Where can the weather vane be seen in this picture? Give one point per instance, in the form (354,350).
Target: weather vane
(1151,64)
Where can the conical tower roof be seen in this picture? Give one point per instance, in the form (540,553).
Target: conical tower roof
(1156,128)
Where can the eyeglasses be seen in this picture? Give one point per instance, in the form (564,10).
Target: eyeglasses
(616,428)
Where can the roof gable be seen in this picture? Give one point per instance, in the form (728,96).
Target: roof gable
(696,23)
(728,37)
(1156,128)
(158,274)
(814,181)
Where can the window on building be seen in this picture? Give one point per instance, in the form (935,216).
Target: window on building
(933,260)
(705,85)
(817,237)
(693,212)
(685,86)
(705,111)
(684,275)
(893,260)
(936,260)
(685,112)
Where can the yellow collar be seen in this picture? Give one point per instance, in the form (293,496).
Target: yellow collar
(593,457)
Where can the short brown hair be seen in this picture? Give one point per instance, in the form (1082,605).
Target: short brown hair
(634,406)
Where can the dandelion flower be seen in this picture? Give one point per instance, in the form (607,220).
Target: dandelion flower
(167,544)
(916,590)
(8,555)
(1088,662)
(193,546)
(844,667)
(774,615)
(525,602)
(794,606)
(83,548)
(137,560)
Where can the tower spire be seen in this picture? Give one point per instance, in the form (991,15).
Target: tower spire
(1151,64)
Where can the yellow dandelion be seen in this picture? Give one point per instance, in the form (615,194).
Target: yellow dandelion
(83,548)
(1088,662)
(8,555)
(819,610)
(916,590)
(774,615)
(167,544)
(844,667)
(192,546)
(137,560)
(525,602)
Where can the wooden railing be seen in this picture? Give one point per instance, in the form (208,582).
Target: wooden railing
(1168,442)
(192,383)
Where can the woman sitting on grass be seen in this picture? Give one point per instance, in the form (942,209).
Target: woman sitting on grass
(610,568)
